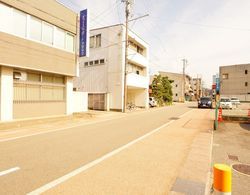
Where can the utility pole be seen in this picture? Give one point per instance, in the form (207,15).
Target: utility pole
(183,77)
(127,12)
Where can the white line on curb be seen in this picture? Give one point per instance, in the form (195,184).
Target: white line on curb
(93,163)
(9,171)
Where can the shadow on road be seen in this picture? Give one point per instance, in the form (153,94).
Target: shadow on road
(245,126)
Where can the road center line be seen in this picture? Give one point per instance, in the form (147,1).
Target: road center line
(93,163)
(9,171)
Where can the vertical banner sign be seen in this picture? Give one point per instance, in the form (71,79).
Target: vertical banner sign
(217,85)
(84,48)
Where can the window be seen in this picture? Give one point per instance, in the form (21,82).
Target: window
(98,40)
(246,84)
(35,29)
(69,42)
(95,41)
(102,61)
(59,38)
(92,42)
(246,71)
(47,79)
(176,94)
(33,77)
(91,63)
(96,62)
(138,72)
(86,63)
(5,18)
(47,36)
(20,20)
(176,85)
(225,76)
(59,80)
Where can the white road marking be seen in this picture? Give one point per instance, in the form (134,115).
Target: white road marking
(93,163)
(9,171)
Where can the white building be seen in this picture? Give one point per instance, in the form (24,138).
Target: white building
(37,59)
(102,74)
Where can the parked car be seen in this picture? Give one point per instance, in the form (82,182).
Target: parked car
(152,102)
(226,103)
(235,101)
(205,102)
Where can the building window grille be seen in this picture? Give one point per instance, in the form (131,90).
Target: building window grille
(96,62)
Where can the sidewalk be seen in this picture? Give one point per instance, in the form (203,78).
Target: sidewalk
(167,161)
(232,146)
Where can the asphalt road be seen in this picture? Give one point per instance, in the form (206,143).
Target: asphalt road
(45,157)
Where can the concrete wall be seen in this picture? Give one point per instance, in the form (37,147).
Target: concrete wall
(23,53)
(80,101)
(139,97)
(235,84)
(39,109)
(6,93)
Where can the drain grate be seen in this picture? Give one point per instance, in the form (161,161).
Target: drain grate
(233,157)
(242,168)
(174,118)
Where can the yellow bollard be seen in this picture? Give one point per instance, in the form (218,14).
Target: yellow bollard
(222,179)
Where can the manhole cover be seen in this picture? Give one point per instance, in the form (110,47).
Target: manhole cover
(242,168)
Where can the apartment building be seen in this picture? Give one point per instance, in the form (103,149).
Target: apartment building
(235,81)
(37,58)
(102,74)
(197,88)
(177,85)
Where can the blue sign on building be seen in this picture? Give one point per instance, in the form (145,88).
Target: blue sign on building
(217,85)
(83,49)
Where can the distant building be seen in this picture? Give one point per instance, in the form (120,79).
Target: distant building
(235,81)
(37,58)
(197,88)
(177,85)
(102,74)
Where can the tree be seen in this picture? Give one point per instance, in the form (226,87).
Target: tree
(162,90)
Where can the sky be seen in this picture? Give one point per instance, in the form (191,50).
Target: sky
(208,33)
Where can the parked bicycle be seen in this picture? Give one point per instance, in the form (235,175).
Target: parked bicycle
(131,106)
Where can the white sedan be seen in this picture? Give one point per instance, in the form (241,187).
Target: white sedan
(226,103)
(235,101)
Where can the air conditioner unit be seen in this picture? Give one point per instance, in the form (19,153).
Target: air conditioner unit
(19,75)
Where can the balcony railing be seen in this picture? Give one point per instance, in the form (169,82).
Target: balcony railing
(135,80)
(137,58)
